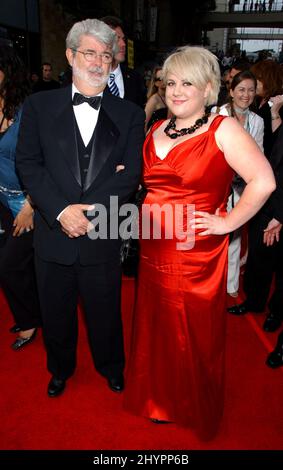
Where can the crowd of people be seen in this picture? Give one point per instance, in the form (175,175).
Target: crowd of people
(211,162)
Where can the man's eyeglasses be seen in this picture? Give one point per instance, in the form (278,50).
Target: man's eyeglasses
(106,57)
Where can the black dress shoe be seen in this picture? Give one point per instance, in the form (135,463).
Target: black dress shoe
(159,421)
(275,358)
(242,309)
(116,384)
(20,342)
(272,322)
(56,387)
(15,329)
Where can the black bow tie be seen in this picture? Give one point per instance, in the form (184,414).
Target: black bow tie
(93,101)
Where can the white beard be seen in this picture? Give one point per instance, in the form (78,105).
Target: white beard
(87,77)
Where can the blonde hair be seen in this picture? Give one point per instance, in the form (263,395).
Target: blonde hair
(197,65)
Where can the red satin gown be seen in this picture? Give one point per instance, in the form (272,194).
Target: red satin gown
(176,364)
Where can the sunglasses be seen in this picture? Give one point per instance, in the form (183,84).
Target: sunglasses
(158,79)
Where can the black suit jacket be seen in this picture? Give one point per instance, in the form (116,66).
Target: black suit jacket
(48,164)
(134,87)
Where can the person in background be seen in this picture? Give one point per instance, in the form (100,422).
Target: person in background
(269,84)
(264,261)
(260,266)
(147,77)
(17,276)
(124,81)
(176,365)
(67,157)
(224,88)
(33,77)
(155,108)
(242,95)
(46,82)
(238,66)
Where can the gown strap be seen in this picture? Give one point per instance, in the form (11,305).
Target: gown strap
(216,122)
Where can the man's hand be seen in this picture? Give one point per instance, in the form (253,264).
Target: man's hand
(271,233)
(73,221)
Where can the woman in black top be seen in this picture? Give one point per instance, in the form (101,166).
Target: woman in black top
(17,277)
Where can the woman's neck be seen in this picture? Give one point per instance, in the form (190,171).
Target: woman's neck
(241,111)
(189,121)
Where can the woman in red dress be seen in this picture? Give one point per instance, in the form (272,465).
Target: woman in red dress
(176,365)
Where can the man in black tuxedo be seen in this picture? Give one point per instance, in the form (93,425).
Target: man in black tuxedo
(70,145)
(123,81)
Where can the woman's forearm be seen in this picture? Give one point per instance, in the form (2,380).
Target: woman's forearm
(255,194)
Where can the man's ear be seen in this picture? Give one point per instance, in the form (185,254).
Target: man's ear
(70,56)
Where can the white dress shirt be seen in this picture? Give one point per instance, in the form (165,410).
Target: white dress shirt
(119,80)
(86,117)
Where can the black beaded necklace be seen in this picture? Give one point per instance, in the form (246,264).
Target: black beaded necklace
(186,130)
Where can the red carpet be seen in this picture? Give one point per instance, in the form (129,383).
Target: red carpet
(90,416)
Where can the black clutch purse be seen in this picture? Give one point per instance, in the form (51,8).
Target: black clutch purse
(130,247)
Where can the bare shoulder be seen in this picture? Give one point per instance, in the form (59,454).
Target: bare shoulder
(228,131)
(227,123)
(228,126)
(153,99)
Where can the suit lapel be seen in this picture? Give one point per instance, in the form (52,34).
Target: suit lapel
(64,129)
(105,137)
(126,80)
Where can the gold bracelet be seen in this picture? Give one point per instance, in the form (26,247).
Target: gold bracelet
(273,118)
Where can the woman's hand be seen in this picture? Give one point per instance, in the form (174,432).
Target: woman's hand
(213,224)
(24,220)
(271,233)
(277,103)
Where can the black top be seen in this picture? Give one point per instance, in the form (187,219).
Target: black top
(269,136)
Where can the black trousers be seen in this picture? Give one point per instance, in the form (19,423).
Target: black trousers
(262,264)
(99,288)
(17,273)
